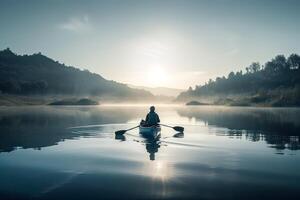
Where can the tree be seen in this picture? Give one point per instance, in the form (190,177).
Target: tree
(280,63)
(247,70)
(230,75)
(254,67)
(294,61)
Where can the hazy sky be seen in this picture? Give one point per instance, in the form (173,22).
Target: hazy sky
(153,43)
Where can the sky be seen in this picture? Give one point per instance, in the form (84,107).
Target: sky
(167,43)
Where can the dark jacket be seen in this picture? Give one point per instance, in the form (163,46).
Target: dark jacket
(152,119)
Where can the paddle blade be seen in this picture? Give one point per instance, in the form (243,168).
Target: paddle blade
(120,132)
(178,128)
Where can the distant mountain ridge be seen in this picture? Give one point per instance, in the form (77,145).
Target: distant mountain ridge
(38,74)
(160,91)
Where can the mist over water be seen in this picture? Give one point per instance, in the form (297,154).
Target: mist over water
(71,152)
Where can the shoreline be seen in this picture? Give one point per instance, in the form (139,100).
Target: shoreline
(20,100)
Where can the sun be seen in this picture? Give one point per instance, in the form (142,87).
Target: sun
(156,76)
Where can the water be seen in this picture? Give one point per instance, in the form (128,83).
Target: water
(225,153)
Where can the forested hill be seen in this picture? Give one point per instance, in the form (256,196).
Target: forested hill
(277,82)
(38,74)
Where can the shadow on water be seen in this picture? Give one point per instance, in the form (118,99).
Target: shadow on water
(278,127)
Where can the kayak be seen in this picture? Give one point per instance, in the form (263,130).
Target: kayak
(150,131)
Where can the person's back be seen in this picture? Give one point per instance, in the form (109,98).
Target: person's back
(152,118)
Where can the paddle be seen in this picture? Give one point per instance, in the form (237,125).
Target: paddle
(121,132)
(176,128)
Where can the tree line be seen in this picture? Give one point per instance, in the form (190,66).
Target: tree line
(278,78)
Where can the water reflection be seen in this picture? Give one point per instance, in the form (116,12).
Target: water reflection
(37,127)
(179,135)
(278,127)
(120,137)
(152,146)
(214,159)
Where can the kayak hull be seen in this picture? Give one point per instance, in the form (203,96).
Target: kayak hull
(152,131)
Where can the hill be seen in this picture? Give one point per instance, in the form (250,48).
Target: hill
(276,83)
(160,91)
(39,75)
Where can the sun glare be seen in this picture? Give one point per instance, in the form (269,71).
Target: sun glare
(156,76)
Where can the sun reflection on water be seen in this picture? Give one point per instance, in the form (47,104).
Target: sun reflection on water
(158,170)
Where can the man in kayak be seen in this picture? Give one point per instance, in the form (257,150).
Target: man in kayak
(152,117)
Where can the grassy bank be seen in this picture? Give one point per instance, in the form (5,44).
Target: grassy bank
(16,100)
(19,100)
(278,98)
(23,100)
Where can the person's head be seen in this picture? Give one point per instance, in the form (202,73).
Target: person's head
(152,108)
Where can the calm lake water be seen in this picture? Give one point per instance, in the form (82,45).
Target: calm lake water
(225,153)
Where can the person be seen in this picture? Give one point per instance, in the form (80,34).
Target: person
(152,117)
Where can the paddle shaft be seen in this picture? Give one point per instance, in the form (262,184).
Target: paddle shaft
(166,125)
(132,128)
(121,132)
(176,128)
